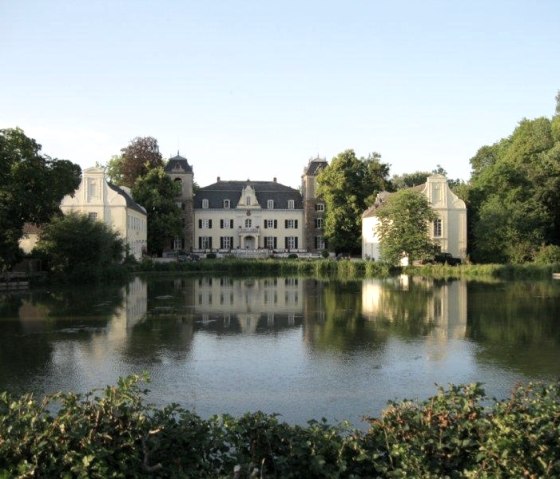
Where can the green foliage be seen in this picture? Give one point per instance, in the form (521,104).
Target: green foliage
(403,226)
(458,433)
(137,159)
(32,186)
(348,186)
(114,170)
(78,247)
(514,195)
(157,192)
(549,254)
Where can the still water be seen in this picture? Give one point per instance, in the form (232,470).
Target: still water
(302,348)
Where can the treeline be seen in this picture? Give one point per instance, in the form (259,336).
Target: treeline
(458,433)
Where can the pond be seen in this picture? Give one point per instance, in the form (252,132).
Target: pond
(303,348)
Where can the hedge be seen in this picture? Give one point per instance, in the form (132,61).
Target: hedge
(457,433)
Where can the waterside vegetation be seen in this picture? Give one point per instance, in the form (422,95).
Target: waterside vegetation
(458,433)
(348,269)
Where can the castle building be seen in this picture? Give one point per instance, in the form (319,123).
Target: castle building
(248,215)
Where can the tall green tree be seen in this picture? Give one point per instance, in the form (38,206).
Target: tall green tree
(137,159)
(348,186)
(514,194)
(157,193)
(76,246)
(32,186)
(403,228)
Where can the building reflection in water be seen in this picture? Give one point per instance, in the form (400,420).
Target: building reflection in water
(439,306)
(247,306)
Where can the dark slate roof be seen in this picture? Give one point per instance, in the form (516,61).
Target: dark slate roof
(264,191)
(314,166)
(130,203)
(178,164)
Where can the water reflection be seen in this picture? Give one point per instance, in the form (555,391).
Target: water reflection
(302,347)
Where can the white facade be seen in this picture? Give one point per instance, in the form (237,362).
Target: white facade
(449,230)
(112,205)
(251,216)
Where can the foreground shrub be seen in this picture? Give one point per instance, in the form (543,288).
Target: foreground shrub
(114,433)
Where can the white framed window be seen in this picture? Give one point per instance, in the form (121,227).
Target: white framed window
(438,230)
(318,222)
(319,207)
(291,242)
(270,204)
(227,204)
(271,223)
(270,242)
(205,242)
(291,224)
(248,223)
(92,216)
(291,204)
(177,243)
(205,223)
(320,242)
(205,203)
(226,224)
(226,242)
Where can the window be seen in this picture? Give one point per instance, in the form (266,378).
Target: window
(248,200)
(248,223)
(290,204)
(226,242)
(179,204)
(206,223)
(271,223)
(226,224)
(270,242)
(437,228)
(205,203)
(291,242)
(226,204)
(319,207)
(92,189)
(92,216)
(320,242)
(205,242)
(318,222)
(270,204)
(291,223)
(177,243)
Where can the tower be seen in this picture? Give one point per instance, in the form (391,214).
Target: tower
(179,170)
(313,207)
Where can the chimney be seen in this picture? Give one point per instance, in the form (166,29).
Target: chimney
(218,179)
(275,179)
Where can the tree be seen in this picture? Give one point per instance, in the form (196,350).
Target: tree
(514,194)
(348,185)
(403,226)
(138,158)
(31,188)
(408,180)
(157,193)
(114,170)
(76,246)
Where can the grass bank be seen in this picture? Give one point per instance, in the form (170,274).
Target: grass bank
(348,269)
(457,433)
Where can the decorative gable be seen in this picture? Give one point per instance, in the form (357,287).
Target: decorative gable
(248,198)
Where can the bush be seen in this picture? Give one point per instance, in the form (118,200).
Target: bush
(211,256)
(549,254)
(77,247)
(112,433)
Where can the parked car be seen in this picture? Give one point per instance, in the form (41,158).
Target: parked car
(182,258)
(446,258)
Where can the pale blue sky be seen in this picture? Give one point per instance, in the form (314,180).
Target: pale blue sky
(254,89)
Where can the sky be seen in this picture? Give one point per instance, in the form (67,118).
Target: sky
(255,89)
